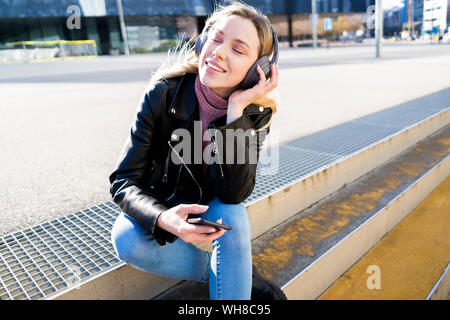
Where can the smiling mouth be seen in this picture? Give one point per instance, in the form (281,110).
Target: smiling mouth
(214,67)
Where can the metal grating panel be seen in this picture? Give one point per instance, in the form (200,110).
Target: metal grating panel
(37,262)
(398,117)
(293,163)
(344,139)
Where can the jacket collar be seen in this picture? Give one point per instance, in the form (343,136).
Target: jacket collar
(184,104)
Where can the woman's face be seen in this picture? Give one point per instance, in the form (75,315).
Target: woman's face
(233,46)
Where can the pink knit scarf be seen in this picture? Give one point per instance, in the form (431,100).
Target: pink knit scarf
(211,107)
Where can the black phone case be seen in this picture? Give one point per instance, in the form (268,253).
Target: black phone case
(204,222)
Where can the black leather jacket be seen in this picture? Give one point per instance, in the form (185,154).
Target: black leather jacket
(146,182)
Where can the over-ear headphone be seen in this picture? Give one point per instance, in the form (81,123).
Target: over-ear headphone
(252,76)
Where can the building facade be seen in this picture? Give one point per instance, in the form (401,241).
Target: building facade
(434,16)
(149,23)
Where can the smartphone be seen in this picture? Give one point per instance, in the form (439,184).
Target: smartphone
(203,222)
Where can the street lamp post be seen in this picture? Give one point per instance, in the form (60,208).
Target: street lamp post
(378,26)
(289,9)
(314,23)
(122,28)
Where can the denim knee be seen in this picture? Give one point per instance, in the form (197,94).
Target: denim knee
(234,215)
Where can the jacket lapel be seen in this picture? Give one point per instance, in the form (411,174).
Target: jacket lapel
(184,104)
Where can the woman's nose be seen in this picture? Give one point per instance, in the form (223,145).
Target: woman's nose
(218,53)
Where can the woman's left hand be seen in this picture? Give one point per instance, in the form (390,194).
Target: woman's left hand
(242,98)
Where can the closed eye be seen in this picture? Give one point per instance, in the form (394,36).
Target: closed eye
(214,40)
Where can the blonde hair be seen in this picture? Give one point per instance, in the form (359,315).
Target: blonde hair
(187,61)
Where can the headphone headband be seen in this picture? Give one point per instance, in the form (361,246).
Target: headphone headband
(275,48)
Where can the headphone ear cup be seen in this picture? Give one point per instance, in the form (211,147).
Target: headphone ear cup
(252,77)
(201,39)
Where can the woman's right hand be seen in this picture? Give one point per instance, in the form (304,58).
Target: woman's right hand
(174,221)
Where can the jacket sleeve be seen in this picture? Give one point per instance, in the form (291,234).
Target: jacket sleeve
(237,153)
(126,180)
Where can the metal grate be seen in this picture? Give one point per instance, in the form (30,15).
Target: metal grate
(399,117)
(292,164)
(57,255)
(344,139)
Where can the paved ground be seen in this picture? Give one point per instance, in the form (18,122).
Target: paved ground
(64,123)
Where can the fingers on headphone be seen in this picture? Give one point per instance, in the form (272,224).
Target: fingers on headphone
(274,74)
(262,76)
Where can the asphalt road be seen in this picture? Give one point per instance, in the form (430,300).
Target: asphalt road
(121,69)
(63,123)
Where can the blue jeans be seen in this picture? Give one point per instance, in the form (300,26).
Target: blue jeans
(228,268)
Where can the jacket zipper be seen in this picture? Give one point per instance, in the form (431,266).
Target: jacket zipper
(190,173)
(166,169)
(216,149)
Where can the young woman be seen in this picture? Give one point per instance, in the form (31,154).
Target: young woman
(156,194)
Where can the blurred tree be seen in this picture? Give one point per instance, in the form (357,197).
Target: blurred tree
(349,23)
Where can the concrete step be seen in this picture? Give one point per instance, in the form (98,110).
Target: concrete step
(308,252)
(408,262)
